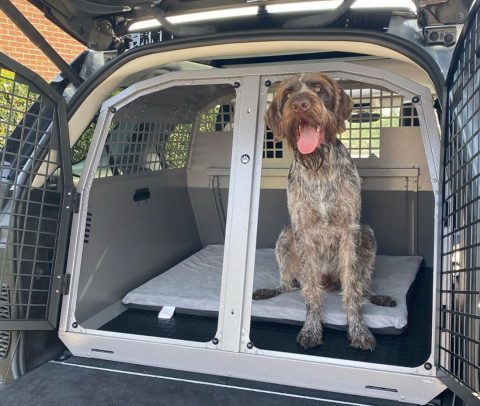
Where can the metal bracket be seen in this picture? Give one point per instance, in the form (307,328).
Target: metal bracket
(64,284)
(72,200)
(246,345)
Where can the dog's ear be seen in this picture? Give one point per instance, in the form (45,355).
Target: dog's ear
(344,109)
(273,119)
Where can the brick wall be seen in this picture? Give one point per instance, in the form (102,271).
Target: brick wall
(17,46)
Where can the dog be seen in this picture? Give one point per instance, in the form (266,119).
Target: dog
(325,246)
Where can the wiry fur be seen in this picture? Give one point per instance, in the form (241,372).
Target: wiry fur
(325,245)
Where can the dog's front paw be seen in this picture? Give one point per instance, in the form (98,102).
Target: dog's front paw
(263,294)
(383,300)
(363,339)
(309,338)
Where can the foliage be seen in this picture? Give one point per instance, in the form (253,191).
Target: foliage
(80,149)
(178,146)
(15,100)
(209,119)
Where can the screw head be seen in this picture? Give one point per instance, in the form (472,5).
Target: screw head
(113,109)
(75,324)
(427,366)
(415,99)
(245,159)
(236,85)
(250,345)
(215,341)
(268,83)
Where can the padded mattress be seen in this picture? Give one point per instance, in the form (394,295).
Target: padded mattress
(193,287)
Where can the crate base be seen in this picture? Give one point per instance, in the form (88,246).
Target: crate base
(410,349)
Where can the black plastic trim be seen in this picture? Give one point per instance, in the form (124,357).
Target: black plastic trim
(458,388)
(404,47)
(459,48)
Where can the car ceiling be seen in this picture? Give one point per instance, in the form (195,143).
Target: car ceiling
(101,24)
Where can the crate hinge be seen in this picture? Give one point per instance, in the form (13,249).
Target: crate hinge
(64,288)
(72,200)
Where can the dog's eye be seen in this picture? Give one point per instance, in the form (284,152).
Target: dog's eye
(288,95)
(316,88)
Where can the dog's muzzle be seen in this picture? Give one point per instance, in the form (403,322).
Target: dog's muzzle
(304,122)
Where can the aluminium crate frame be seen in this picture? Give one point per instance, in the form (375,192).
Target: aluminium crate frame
(233,355)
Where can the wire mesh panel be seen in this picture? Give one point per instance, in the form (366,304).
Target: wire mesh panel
(459,344)
(374,108)
(134,146)
(218,118)
(271,147)
(31,199)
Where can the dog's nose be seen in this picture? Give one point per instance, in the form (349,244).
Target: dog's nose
(302,104)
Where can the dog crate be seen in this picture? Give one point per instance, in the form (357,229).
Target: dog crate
(182,198)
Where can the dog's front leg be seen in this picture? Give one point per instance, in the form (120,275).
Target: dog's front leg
(312,289)
(353,286)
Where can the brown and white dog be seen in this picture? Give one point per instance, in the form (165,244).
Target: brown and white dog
(325,246)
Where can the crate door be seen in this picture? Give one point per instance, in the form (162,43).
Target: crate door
(458,352)
(34,186)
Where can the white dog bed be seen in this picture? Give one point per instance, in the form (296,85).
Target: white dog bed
(193,287)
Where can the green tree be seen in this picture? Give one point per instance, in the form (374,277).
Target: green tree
(15,100)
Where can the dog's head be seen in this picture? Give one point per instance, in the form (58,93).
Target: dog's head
(308,110)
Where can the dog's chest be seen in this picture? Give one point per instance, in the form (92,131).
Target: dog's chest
(328,196)
(314,192)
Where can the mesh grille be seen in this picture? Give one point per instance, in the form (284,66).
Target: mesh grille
(271,148)
(30,199)
(374,108)
(134,147)
(5,315)
(459,350)
(219,118)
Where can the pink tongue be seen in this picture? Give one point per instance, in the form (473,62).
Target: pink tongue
(309,139)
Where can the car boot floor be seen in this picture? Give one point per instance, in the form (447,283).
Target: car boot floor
(409,349)
(80,381)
